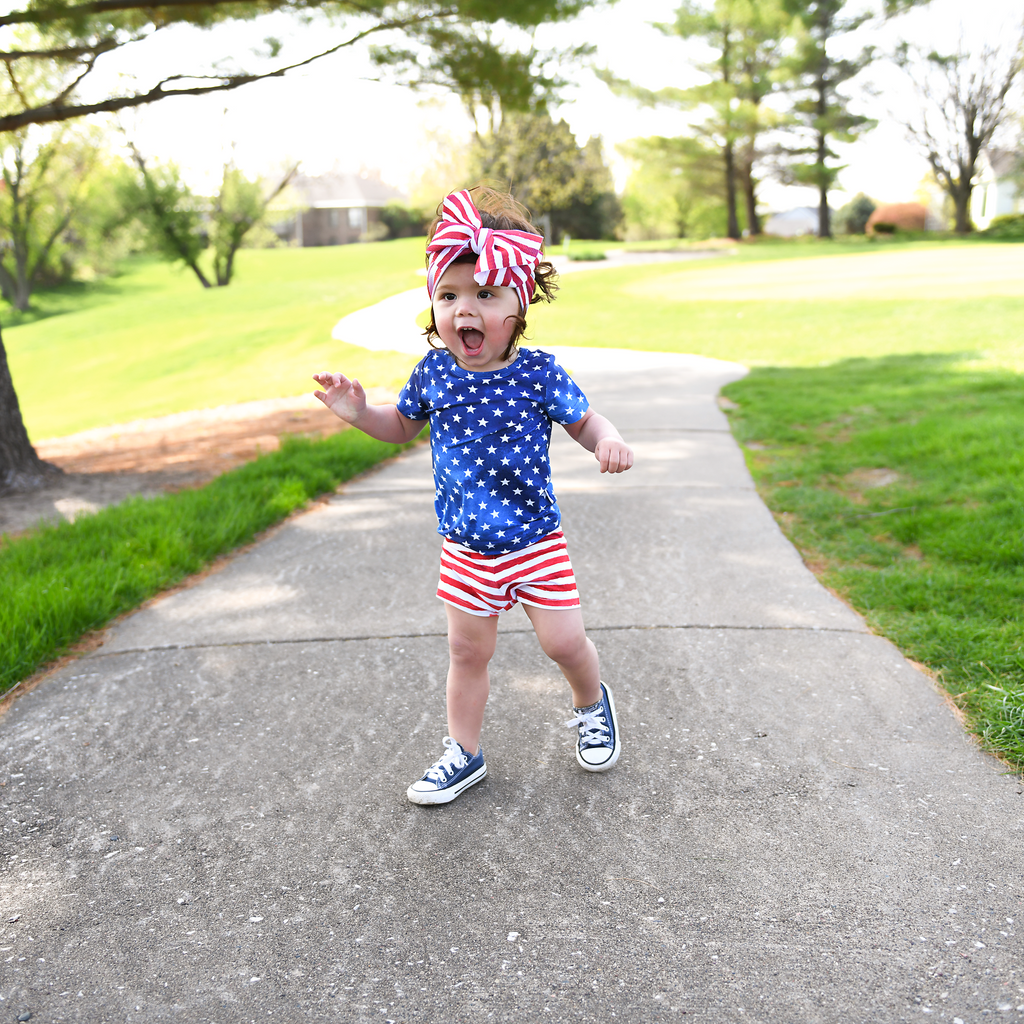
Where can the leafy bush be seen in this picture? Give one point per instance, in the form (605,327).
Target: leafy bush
(884,228)
(404,221)
(852,218)
(1007,225)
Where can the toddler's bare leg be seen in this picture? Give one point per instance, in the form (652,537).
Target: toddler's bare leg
(564,640)
(471,642)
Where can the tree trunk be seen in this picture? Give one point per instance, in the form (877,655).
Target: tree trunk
(20,468)
(733,230)
(750,196)
(962,206)
(22,294)
(824,214)
(824,220)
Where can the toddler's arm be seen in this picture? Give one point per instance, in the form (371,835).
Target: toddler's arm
(347,400)
(598,435)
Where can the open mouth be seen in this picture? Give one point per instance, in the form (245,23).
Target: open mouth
(472,340)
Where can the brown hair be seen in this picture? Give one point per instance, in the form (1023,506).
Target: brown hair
(499,210)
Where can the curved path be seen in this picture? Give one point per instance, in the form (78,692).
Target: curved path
(205,819)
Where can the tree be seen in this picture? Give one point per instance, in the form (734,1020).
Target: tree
(490,79)
(240,206)
(50,210)
(21,469)
(852,219)
(565,186)
(45,174)
(77,36)
(964,101)
(747,37)
(594,211)
(759,56)
(43,182)
(822,110)
(171,213)
(675,189)
(181,225)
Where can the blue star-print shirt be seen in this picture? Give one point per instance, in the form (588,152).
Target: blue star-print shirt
(489,437)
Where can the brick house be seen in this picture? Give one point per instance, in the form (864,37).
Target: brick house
(340,208)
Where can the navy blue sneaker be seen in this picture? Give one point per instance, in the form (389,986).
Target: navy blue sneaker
(447,777)
(598,745)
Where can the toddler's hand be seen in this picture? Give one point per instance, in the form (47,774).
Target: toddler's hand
(614,455)
(345,398)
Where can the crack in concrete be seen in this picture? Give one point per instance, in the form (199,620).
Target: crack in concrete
(443,635)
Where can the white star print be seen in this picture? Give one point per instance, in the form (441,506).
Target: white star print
(495,475)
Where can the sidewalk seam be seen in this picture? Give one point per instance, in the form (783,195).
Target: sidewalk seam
(443,635)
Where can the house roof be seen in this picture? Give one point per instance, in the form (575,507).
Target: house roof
(343,191)
(1002,161)
(797,215)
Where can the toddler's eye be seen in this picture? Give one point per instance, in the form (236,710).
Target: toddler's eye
(448,296)
(484,294)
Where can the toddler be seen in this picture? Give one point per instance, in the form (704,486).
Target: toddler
(490,405)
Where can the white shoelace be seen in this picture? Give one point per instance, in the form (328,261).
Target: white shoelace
(448,763)
(593,726)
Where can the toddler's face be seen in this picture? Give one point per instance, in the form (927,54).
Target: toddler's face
(473,320)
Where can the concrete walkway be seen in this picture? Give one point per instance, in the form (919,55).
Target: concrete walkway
(205,819)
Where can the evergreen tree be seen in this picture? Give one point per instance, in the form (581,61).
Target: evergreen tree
(567,187)
(747,38)
(822,112)
(852,219)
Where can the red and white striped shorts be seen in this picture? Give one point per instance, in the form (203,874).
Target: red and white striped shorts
(540,574)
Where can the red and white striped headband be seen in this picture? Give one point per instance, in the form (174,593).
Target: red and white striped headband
(506,259)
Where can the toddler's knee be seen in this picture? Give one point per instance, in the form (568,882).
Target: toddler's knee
(465,650)
(566,649)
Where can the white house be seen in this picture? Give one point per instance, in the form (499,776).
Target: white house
(996,192)
(800,221)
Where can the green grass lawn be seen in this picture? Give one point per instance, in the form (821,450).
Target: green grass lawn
(151,341)
(923,395)
(901,481)
(887,431)
(58,582)
(618,308)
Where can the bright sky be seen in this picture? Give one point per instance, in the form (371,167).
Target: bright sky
(333,115)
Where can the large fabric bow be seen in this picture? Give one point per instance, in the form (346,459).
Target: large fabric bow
(505,258)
